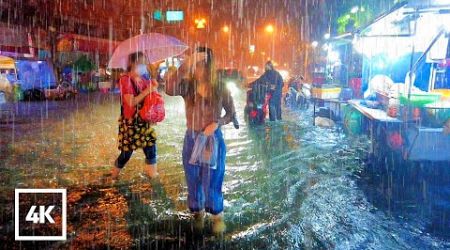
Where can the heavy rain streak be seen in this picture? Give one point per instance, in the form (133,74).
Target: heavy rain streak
(239,124)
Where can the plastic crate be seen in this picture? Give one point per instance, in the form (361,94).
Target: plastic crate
(326,93)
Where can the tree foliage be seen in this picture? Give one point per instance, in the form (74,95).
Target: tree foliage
(363,12)
(351,21)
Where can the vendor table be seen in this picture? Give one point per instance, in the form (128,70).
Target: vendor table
(372,114)
(375,116)
(336,102)
(425,143)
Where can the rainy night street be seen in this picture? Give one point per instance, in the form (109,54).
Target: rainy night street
(287,185)
(224,124)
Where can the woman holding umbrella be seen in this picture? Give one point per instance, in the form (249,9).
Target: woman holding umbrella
(135,133)
(196,81)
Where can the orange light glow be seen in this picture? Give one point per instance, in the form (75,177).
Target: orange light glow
(270,28)
(200,23)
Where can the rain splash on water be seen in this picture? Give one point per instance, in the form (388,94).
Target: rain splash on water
(287,184)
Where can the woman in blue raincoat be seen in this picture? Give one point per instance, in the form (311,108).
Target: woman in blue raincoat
(196,81)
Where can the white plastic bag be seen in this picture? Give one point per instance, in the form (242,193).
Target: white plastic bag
(205,151)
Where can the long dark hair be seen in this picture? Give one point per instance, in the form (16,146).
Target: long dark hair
(214,79)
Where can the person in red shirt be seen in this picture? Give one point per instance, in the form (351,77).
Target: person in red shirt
(135,133)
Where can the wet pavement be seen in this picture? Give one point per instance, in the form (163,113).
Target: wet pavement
(287,185)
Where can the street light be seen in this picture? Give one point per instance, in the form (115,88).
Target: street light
(314,44)
(226,29)
(269,28)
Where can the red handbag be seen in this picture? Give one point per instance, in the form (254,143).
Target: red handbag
(153,110)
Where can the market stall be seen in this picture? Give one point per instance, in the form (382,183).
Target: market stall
(341,83)
(406,79)
(83,59)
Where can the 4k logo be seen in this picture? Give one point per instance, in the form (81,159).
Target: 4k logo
(40,214)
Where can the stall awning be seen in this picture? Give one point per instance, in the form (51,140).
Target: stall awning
(430,16)
(421,4)
(73,42)
(408,27)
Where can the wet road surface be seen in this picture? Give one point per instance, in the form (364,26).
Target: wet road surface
(287,185)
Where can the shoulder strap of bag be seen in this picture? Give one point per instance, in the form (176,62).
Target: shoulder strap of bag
(133,83)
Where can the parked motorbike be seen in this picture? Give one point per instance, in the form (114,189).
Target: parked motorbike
(257,106)
(64,90)
(299,94)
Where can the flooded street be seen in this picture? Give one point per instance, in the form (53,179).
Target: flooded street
(288,185)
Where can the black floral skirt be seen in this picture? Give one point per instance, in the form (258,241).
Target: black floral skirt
(135,133)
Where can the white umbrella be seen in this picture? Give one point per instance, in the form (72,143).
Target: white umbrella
(154,46)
